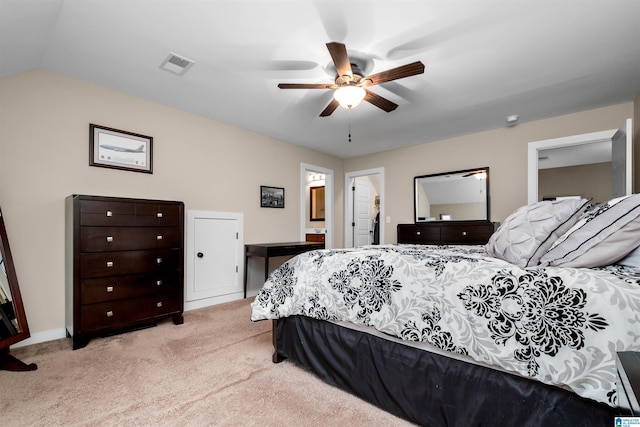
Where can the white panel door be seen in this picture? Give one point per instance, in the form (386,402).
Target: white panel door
(362,214)
(216,257)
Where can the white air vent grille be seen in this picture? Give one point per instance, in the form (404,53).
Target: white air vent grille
(176,64)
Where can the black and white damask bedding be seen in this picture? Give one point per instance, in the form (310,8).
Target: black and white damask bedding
(558,325)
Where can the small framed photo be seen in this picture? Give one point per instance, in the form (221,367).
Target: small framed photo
(118,149)
(271,197)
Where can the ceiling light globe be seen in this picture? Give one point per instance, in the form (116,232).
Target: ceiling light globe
(349,96)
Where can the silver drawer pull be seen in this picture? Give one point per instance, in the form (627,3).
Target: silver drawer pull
(109,264)
(464,233)
(158,282)
(109,288)
(159,237)
(159,260)
(159,304)
(159,214)
(109,213)
(109,313)
(109,239)
(417,233)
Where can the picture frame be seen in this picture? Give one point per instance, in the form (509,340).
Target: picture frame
(119,149)
(271,197)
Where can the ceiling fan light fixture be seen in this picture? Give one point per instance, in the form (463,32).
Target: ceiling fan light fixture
(349,96)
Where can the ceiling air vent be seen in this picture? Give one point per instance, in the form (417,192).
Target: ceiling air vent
(176,64)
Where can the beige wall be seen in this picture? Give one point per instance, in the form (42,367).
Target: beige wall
(503,150)
(593,181)
(44,157)
(44,129)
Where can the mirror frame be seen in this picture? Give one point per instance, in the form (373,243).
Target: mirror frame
(313,216)
(487,196)
(14,288)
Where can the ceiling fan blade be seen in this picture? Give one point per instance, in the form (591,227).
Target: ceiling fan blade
(395,73)
(340,58)
(380,102)
(305,85)
(330,108)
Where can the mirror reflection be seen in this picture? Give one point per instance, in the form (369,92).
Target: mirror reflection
(8,321)
(13,322)
(457,195)
(316,195)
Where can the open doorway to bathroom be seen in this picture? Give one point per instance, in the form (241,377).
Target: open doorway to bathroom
(316,204)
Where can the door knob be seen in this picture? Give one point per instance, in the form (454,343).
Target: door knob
(199,254)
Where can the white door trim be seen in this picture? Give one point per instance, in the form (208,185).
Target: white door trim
(328,201)
(348,203)
(587,138)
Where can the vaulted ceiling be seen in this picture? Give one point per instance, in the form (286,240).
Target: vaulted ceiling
(485,60)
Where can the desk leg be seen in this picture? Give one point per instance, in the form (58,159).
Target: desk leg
(246,269)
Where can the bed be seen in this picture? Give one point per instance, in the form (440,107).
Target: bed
(515,332)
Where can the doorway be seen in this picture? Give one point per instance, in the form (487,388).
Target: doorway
(315,176)
(616,144)
(364,208)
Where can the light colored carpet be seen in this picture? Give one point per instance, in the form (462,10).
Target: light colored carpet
(214,370)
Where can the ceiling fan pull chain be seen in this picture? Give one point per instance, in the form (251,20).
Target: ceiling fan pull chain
(349,115)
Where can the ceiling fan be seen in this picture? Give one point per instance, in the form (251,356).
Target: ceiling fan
(351,85)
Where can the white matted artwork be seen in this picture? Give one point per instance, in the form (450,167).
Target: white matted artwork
(117,149)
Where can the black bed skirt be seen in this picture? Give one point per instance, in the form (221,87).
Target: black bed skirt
(426,388)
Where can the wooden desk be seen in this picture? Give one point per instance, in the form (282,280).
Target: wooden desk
(270,250)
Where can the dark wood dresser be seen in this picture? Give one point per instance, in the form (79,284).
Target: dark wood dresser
(124,264)
(446,232)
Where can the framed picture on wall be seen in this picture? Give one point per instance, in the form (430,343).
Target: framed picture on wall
(271,197)
(118,149)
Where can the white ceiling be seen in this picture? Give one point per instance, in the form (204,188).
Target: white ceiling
(484,60)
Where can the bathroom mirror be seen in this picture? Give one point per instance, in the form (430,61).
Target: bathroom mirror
(457,195)
(13,321)
(316,203)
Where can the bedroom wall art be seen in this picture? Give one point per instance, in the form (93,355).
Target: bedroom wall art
(118,149)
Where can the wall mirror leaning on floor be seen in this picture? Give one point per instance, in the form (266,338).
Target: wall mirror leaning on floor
(457,195)
(13,320)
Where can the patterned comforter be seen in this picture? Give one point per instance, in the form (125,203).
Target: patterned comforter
(561,326)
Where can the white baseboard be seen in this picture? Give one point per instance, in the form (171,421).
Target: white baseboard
(55,334)
(39,337)
(206,302)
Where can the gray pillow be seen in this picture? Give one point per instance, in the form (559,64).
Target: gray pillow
(530,230)
(601,237)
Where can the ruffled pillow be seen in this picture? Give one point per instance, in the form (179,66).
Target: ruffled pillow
(530,230)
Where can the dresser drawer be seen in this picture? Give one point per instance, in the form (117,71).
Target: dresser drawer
(114,213)
(119,287)
(419,234)
(102,264)
(113,314)
(127,214)
(105,239)
(465,234)
(158,214)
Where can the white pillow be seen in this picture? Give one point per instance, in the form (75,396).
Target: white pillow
(601,237)
(631,260)
(530,230)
